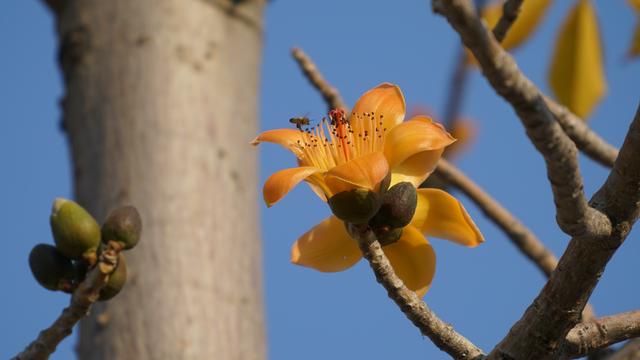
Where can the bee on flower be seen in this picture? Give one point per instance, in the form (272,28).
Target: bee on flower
(367,167)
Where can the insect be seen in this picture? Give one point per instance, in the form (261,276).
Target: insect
(300,121)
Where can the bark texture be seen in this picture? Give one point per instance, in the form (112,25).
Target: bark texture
(160,104)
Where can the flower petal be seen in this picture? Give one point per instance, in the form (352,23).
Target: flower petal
(288,138)
(385,102)
(577,74)
(280,183)
(443,216)
(635,4)
(413,260)
(417,168)
(414,136)
(364,172)
(327,247)
(413,149)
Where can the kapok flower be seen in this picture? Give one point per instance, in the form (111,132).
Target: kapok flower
(358,153)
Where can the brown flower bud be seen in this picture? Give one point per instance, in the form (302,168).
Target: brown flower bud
(387,236)
(355,206)
(398,206)
(124,226)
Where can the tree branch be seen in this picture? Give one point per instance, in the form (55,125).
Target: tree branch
(573,213)
(524,239)
(586,139)
(330,95)
(442,334)
(555,310)
(600,333)
(83,297)
(597,231)
(510,11)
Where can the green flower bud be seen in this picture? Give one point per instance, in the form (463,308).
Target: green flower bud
(116,282)
(355,206)
(50,268)
(124,226)
(398,206)
(75,231)
(387,236)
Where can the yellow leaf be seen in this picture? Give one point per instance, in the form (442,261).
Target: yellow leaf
(577,75)
(531,13)
(634,49)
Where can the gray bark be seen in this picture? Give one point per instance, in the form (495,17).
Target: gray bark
(160,106)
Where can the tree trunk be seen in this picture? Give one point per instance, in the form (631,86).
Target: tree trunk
(160,106)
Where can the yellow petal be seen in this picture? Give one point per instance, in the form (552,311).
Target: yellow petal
(531,14)
(634,49)
(280,183)
(317,188)
(364,172)
(635,4)
(576,75)
(414,136)
(289,138)
(327,247)
(413,149)
(413,260)
(385,103)
(443,216)
(417,168)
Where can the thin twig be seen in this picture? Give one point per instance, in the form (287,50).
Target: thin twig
(442,334)
(83,297)
(457,85)
(510,11)
(600,333)
(573,213)
(524,239)
(330,95)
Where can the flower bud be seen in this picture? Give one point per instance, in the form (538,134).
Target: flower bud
(116,282)
(384,184)
(50,268)
(398,206)
(355,206)
(75,231)
(124,226)
(387,236)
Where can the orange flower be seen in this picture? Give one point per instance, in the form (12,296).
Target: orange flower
(341,155)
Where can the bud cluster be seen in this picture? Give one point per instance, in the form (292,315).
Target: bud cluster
(79,240)
(386,212)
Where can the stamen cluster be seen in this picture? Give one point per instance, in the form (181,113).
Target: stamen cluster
(334,142)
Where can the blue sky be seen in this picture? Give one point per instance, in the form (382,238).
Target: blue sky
(356,44)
